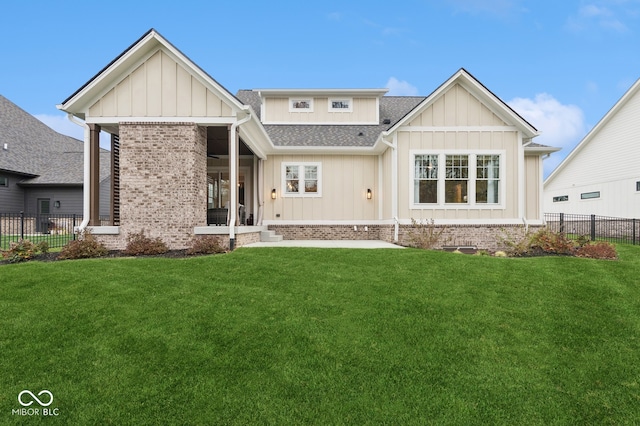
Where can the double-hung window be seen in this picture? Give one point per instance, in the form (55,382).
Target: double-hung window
(457,179)
(301,179)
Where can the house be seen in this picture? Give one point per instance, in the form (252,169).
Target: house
(41,171)
(601,175)
(302,163)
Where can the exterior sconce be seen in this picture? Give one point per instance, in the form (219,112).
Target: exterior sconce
(369,195)
(273,194)
(56,204)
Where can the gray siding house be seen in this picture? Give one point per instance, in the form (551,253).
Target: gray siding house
(41,170)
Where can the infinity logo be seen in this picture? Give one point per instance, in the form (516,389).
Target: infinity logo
(35,398)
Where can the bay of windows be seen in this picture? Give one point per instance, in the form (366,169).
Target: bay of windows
(463,179)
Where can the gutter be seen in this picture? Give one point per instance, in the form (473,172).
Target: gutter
(86,196)
(233,179)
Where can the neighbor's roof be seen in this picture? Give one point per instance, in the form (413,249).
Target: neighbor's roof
(392,108)
(42,155)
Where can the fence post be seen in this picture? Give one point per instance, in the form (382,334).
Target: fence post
(593,227)
(561,223)
(22,225)
(634,231)
(73,228)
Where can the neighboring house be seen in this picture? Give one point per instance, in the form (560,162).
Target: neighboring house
(601,175)
(305,163)
(41,171)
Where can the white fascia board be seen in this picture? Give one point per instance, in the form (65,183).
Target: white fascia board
(540,150)
(322,123)
(322,92)
(197,120)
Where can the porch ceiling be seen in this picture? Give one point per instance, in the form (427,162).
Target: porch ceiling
(218,142)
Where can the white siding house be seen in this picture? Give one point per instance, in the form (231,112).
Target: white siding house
(601,175)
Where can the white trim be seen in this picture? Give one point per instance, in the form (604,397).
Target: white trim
(104,230)
(521,179)
(293,100)
(471,204)
(330,101)
(301,179)
(321,123)
(323,92)
(457,129)
(156,119)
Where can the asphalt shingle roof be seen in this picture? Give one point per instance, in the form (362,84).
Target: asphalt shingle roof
(40,153)
(392,108)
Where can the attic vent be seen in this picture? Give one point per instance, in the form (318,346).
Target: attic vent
(360,134)
(386,121)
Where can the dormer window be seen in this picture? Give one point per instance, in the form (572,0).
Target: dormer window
(301,105)
(340,105)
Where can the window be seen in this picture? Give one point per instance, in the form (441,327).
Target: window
(426,179)
(487,179)
(560,198)
(301,179)
(589,195)
(340,105)
(4,181)
(301,105)
(457,179)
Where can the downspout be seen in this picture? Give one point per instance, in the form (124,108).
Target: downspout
(86,196)
(233,180)
(394,183)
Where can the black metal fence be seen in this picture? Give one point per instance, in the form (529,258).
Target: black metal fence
(56,229)
(596,228)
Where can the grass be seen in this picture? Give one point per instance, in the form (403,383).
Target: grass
(54,240)
(324,336)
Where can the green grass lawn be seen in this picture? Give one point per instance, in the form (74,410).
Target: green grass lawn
(324,336)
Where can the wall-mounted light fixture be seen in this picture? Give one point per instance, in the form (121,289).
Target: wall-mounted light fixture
(56,204)
(273,194)
(369,195)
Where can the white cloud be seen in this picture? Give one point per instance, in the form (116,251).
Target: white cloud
(61,124)
(593,15)
(400,88)
(560,125)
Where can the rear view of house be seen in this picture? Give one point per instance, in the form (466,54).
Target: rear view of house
(303,163)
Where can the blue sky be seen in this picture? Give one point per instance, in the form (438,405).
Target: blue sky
(561,64)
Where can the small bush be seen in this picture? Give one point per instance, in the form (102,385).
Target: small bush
(424,235)
(85,247)
(549,242)
(205,244)
(599,250)
(139,244)
(23,250)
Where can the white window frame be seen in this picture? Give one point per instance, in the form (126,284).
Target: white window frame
(301,174)
(471,203)
(4,182)
(347,100)
(293,101)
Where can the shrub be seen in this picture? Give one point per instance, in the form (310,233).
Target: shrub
(24,250)
(599,250)
(85,247)
(547,241)
(424,235)
(205,244)
(139,244)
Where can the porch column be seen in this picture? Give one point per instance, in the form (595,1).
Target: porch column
(94,175)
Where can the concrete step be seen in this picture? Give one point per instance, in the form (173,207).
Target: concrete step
(270,237)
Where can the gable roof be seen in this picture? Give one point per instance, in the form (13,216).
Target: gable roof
(323,136)
(629,94)
(141,49)
(42,155)
(486,96)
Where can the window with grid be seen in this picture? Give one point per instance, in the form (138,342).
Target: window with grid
(456,180)
(302,179)
(487,179)
(426,178)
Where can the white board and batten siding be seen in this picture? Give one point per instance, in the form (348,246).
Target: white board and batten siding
(607,162)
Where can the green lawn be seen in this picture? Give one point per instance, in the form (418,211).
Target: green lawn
(324,336)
